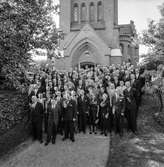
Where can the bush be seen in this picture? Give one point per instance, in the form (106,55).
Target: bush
(13,108)
(159,117)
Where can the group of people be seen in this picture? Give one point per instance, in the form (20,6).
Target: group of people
(102,99)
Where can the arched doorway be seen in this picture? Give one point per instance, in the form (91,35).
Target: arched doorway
(85,55)
(87,59)
(86,65)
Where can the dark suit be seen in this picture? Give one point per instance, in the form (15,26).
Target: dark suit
(119,115)
(53,120)
(37,120)
(92,113)
(131,109)
(116,83)
(69,113)
(140,82)
(33,93)
(60,123)
(82,110)
(75,82)
(104,121)
(43,85)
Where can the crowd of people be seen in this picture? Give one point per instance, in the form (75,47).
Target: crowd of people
(100,99)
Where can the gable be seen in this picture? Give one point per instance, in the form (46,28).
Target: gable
(86,33)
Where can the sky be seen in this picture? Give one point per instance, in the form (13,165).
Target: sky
(140,11)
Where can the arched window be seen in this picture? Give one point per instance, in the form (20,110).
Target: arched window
(83,12)
(92,12)
(75,12)
(99,11)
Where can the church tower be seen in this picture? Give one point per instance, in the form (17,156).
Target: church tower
(91,33)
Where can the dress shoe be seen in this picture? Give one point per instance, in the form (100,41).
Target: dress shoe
(41,141)
(53,141)
(46,144)
(73,140)
(64,138)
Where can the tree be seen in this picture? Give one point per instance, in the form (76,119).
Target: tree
(153,37)
(24,25)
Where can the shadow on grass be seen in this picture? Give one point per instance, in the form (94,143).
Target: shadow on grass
(144,150)
(15,136)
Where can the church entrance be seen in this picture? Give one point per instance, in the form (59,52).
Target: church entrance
(85,56)
(86,65)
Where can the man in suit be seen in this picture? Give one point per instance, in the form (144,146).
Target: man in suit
(139,84)
(82,102)
(36,118)
(60,102)
(104,113)
(54,108)
(119,109)
(93,103)
(69,115)
(130,107)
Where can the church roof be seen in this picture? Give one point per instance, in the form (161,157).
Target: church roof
(86,34)
(127,29)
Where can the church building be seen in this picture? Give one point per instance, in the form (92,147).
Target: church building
(92,35)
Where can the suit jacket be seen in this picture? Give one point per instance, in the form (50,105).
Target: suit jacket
(82,105)
(130,101)
(105,108)
(54,115)
(30,96)
(116,83)
(75,82)
(33,93)
(37,113)
(140,82)
(70,111)
(119,105)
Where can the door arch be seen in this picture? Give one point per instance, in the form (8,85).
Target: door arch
(79,54)
(84,65)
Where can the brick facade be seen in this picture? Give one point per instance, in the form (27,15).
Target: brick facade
(91,32)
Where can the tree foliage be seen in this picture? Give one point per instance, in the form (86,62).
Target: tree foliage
(24,25)
(153,37)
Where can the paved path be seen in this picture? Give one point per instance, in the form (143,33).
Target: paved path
(87,151)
